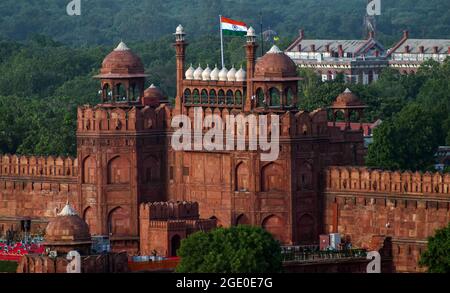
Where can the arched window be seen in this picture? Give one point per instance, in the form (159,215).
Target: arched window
(107,94)
(187,96)
(274,97)
(260,99)
(242,219)
(230,97)
(306,228)
(89,170)
(133,92)
(272,178)
(90,219)
(152,170)
(119,222)
(238,96)
(275,226)
(221,97)
(242,177)
(121,93)
(175,245)
(204,97)
(119,171)
(289,97)
(212,97)
(196,96)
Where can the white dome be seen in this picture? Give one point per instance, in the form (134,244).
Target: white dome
(251,32)
(180,30)
(215,74)
(190,73)
(206,75)
(198,73)
(223,74)
(241,75)
(231,76)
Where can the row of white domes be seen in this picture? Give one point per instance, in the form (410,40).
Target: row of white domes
(216,74)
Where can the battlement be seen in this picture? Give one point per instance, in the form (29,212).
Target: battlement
(340,179)
(119,118)
(13,165)
(169,225)
(169,211)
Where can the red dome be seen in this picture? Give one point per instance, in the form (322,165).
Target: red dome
(152,96)
(122,62)
(347,99)
(275,64)
(67,227)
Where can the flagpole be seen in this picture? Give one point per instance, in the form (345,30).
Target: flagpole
(221,40)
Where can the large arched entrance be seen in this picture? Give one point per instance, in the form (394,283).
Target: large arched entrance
(175,245)
(275,226)
(306,229)
(119,223)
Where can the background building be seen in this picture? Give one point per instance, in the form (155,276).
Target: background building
(360,61)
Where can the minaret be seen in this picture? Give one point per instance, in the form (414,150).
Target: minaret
(250,47)
(180,46)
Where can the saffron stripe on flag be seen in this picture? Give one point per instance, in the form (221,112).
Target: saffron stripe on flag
(231,21)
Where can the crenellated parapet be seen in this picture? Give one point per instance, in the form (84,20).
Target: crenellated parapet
(25,166)
(169,211)
(120,119)
(340,179)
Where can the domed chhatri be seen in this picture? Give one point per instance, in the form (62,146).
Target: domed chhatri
(275,64)
(67,232)
(152,96)
(348,100)
(241,75)
(223,74)
(231,75)
(122,62)
(198,73)
(122,77)
(190,73)
(206,75)
(215,74)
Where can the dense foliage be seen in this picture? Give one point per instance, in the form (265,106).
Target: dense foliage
(108,21)
(437,256)
(241,249)
(415,110)
(409,139)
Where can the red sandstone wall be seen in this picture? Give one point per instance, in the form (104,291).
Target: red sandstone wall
(35,187)
(408,207)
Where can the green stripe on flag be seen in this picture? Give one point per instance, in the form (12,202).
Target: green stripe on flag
(233,33)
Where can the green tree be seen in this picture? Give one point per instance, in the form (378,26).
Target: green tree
(407,141)
(437,255)
(241,249)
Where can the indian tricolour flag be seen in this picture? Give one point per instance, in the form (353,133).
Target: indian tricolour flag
(232,27)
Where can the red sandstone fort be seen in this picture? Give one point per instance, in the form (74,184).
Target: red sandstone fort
(128,183)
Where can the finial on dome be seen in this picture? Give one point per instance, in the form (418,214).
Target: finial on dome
(251,35)
(274,50)
(347,91)
(122,47)
(67,211)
